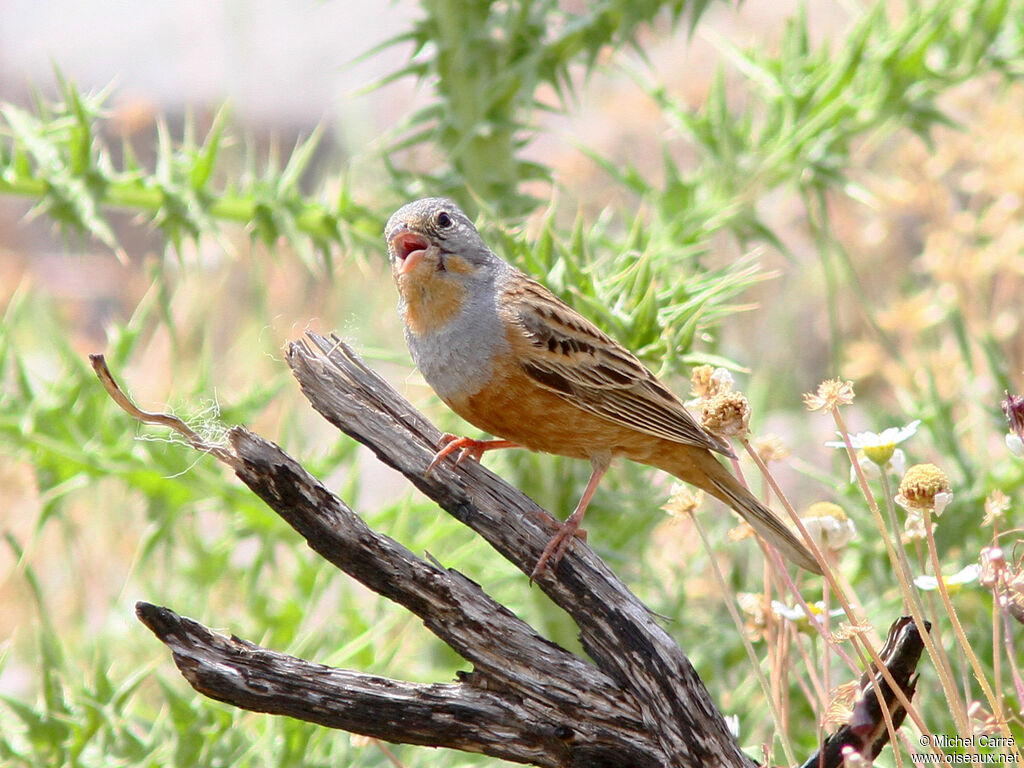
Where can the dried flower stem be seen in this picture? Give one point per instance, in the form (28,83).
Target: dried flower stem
(1011,651)
(962,637)
(779,664)
(917,615)
(997,660)
(868,645)
(392,758)
(780,569)
(854,618)
(912,601)
(1000,604)
(826,666)
(755,663)
(869,648)
(820,692)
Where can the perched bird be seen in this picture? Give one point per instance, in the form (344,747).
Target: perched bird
(511,358)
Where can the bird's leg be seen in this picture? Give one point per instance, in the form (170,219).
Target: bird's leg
(571,527)
(467,447)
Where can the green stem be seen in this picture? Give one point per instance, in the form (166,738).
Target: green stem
(22,187)
(313,220)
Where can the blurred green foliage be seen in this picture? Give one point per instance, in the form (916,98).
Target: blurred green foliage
(131,514)
(486,63)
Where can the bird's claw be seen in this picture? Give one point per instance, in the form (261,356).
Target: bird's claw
(467,447)
(447,445)
(556,548)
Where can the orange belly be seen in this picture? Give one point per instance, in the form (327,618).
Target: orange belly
(514,408)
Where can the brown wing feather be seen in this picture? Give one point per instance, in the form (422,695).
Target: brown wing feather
(573,358)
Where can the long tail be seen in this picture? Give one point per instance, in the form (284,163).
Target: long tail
(699,467)
(764,521)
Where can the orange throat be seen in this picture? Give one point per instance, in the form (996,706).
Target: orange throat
(431,301)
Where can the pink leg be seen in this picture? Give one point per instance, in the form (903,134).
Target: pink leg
(467,448)
(571,527)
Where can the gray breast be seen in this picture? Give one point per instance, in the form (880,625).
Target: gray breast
(459,359)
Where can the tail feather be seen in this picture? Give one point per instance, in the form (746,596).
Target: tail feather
(698,466)
(768,526)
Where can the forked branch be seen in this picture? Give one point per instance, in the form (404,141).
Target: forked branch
(636,702)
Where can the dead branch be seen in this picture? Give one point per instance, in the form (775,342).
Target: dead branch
(640,703)
(461,715)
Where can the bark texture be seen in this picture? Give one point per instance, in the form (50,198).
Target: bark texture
(636,702)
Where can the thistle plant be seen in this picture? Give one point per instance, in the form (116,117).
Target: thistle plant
(58,157)
(881,166)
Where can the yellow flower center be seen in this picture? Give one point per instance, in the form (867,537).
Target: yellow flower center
(922,483)
(880,454)
(825,509)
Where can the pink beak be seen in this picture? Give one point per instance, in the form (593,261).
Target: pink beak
(410,248)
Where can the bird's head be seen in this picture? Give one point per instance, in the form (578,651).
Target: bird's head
(432,239)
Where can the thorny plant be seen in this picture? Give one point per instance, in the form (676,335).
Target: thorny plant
(924,96)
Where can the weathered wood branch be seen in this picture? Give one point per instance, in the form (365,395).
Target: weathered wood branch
(618,631)
(638,703)
(573,698)
(460,715)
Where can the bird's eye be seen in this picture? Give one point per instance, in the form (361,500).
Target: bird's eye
(444,220)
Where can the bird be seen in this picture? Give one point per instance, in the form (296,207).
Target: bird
(514,360)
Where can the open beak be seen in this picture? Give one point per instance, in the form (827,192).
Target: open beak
(409,249)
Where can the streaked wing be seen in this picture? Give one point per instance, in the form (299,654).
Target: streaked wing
(570,356)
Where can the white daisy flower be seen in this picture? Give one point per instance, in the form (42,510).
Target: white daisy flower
(828,525)
(796,613)
(953,583)
(880,447)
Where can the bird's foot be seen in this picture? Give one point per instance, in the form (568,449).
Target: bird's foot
(467,447)
(558,546)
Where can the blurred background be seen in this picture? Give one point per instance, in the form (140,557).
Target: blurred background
(795,191)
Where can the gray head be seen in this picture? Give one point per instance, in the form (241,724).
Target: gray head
(448,282)
(433,235)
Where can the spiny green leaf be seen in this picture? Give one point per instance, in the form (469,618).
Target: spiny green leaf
(206,156)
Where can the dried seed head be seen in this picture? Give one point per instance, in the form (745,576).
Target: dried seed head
(683,500)
(708,381)
(740,532)
(840,705)
(830,394)
(993,564)
(754,607)
(996,505)
(700,380)
(924,486)
(727,413)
